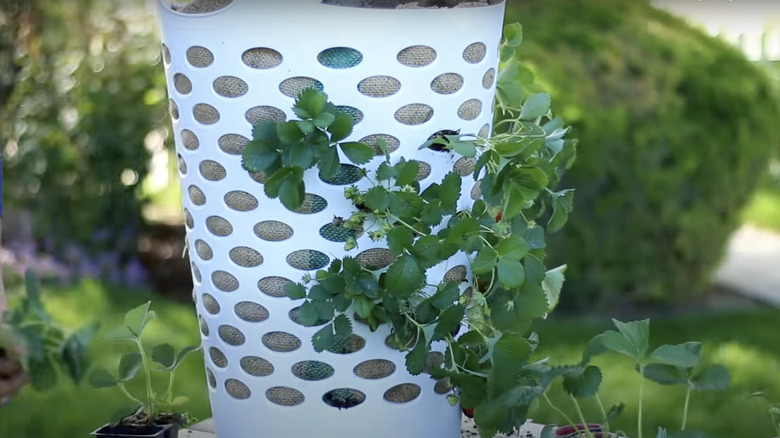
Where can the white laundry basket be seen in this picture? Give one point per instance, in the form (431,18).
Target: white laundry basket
(402,74)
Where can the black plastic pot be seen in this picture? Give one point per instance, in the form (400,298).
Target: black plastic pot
(170,430)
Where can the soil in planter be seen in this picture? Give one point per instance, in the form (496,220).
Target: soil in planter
(121,429)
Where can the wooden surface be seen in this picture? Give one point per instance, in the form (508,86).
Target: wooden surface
(205,429)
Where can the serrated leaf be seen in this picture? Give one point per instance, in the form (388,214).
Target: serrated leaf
(287,185)
(129,365)
(137,318)
(513,248)
(449,192)
(537,105)
(404,277)
(417,358)
(583,384)
(311,102)
(319,293)
(510,273)
(513,35)
(294,291)
(664,374)
(448,321)
(377,198)
(562,204)
(465,148)
(618,343)
(485,261)
(101,378)
(307,314)
(399,239)
(342,326)
(509,353)
(184,352)
(299,155)
(259,156)
(164,355)
(324,309)
(341,127)
(324,120)
(363,306)
(329,163)
(712,378)
(358,153)
(265,131)
(407,172)
(289,132)
(323,339)
(446,295)
(637,333)
(552,285)
(687,355)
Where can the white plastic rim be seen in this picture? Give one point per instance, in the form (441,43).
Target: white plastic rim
(405,74)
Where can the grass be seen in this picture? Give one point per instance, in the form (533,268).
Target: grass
(745,341)
(764,209)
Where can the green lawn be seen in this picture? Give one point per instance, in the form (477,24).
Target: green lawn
(746,342)
(764,209)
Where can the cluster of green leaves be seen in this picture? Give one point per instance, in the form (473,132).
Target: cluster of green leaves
(502,235)
(49,347)
(152,406)
(667,365)
(283,151)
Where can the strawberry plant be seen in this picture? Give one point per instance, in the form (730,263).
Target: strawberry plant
(486,331)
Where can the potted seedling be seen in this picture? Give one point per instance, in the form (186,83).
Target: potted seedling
(36,348)
(678,365)
(154,413)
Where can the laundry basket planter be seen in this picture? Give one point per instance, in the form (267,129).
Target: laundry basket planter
(402,74)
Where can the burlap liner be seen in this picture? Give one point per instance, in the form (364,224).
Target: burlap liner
(205,113)
(390,340)
(224,281)
(189,140)
(414,114)
(465,166)
(204,327)
(347,345)
(307,259)
(468,293)
(476,193)
(470,110)
(273,286)
(241,201)
(379,86)
(231,335)
(293,314)
(256,366)
(447,83)
(199,56)
(182,83)
(273,231)
(218,357)
(232,144)
(203,250)
(166,54)
(347,174)
(262,58)
(212,171)
(403,393)
(336,233)
(416,56)
(340,57)
(174,109)
(219,226)
(435,360)
(251,312)
(457,274)
(489,78)
(246,257)
(260,113)
(376,258)
(356,114)
(205,6)
(259,177)
(230,86)
(210,304)
(237,389)
(182,165)
(196,195)
(292,87)
(195,272)
(284,396)
(423,171)
(374,369)
(372,140)
(212,379)
(312,370)
(484,132)
(343,398)
(475,53)
(281,342)
(442,386)
(188,220)
(312,204)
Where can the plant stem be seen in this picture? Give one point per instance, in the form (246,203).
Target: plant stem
(685,408)
(641,398)
(148,376)
(588,433)
(603,415)
(130,396)
(557,409)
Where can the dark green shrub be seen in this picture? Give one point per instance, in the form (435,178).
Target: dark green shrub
(675,130)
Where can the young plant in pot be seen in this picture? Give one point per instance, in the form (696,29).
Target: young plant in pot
(154,414)
(677,365)
(34,348)
(502,235)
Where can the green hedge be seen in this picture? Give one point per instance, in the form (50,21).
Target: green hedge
(675,131)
